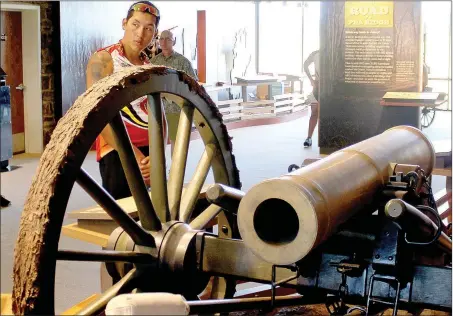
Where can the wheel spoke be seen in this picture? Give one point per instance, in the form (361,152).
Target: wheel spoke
(104,256)
(106,201)
(205,217)
(190,196)
(99,305)
(179,160)
(157,155)
(134,178)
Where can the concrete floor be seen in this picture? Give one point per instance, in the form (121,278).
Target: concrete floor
(261,152)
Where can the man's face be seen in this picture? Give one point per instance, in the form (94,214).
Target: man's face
(139,30)
(166,40)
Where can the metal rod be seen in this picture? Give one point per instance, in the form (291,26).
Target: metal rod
(193,190)
(225,196)
(157,154)
(179,160)
(104,256)
(205,217)
(106,201)
(99,305)
(286,280)
(134,178)
(238,304)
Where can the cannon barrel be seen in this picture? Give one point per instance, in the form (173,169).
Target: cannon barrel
(282,219)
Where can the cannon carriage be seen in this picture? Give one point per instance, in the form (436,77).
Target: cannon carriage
(357,228)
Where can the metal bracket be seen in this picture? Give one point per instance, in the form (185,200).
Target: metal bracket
(385,279)
(335,304)
(274,284)
(386,252)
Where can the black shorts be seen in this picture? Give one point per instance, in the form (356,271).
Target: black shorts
(112,174)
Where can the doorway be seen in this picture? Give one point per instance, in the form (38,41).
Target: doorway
(21,60)
(11,63)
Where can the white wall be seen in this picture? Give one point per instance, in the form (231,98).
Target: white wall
(183,16)
(281,37)
(223,19)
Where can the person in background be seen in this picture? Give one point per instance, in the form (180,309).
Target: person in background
(313,58)
(425,87)
(169,58)
(140,28)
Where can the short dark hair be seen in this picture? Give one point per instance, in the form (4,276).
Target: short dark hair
(131,11)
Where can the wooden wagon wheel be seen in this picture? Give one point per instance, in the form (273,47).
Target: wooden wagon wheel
(427,117)
(37,250)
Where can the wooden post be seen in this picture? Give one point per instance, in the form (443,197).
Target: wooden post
(201,45)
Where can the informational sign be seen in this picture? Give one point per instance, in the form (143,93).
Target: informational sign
(368,48)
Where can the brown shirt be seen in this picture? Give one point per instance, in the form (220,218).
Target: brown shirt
(178,62)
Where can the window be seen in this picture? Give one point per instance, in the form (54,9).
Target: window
(436,17)
(280,37)
(312,12)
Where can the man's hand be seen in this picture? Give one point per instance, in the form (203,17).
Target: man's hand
(145,170)
(143,164)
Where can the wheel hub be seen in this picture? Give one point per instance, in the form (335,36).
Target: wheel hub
(173,267)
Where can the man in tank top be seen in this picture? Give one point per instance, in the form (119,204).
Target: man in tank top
(140,29)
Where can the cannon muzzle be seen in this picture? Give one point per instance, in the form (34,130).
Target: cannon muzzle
(282,219)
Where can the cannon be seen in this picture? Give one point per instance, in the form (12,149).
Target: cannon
(356,230)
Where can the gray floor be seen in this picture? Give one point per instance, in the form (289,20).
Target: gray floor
(261,152)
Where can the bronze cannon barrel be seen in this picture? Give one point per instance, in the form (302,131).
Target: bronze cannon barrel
(282,219)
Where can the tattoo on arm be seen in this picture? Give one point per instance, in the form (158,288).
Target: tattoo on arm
(97,69)
(100,66)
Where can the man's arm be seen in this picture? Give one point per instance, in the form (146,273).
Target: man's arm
(99,66)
